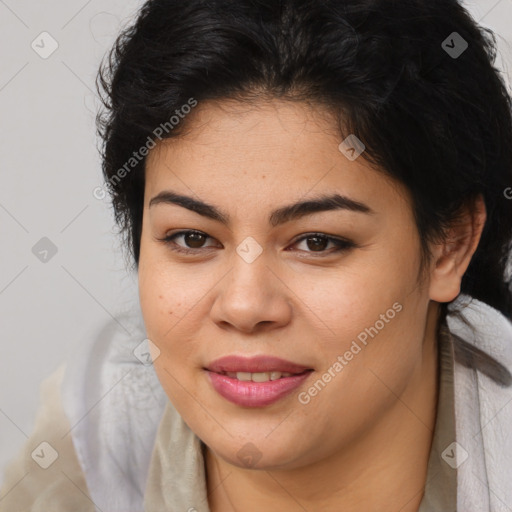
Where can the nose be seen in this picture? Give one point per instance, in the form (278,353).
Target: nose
(251,298)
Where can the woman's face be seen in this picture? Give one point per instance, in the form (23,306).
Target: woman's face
(261,283)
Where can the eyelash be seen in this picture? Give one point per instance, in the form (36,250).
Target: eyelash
(341,244)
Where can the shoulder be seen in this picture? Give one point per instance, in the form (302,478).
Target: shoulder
(46,473)
(98,417)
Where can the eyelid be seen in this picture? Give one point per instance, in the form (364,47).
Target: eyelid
(342,244)
(169,240)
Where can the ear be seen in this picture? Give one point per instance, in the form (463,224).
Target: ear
(451,258)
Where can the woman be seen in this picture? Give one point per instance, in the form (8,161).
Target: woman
(315,198)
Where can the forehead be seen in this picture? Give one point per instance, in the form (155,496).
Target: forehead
(262,154)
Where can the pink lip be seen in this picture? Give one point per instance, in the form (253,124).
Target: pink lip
(255,394)
(254,364)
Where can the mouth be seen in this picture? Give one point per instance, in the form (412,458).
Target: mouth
(258,389)
(255,381)
(259,368)
(260,376)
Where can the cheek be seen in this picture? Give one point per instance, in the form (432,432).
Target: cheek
(372,312)
(355,298)
(172,309)
(166,294)
(154,297)
(164,302)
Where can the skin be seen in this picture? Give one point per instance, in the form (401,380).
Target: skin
(363,442)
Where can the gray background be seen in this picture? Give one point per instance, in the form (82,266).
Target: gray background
(49,168)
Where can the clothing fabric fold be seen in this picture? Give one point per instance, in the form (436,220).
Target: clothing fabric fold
(440,491)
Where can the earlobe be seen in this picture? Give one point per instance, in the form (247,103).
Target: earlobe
(452,257)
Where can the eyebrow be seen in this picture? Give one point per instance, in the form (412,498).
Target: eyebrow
(279,216)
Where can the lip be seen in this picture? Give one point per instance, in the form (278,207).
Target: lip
(255,394)
(255,364)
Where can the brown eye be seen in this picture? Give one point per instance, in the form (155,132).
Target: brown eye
(194,239)
(318,243)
